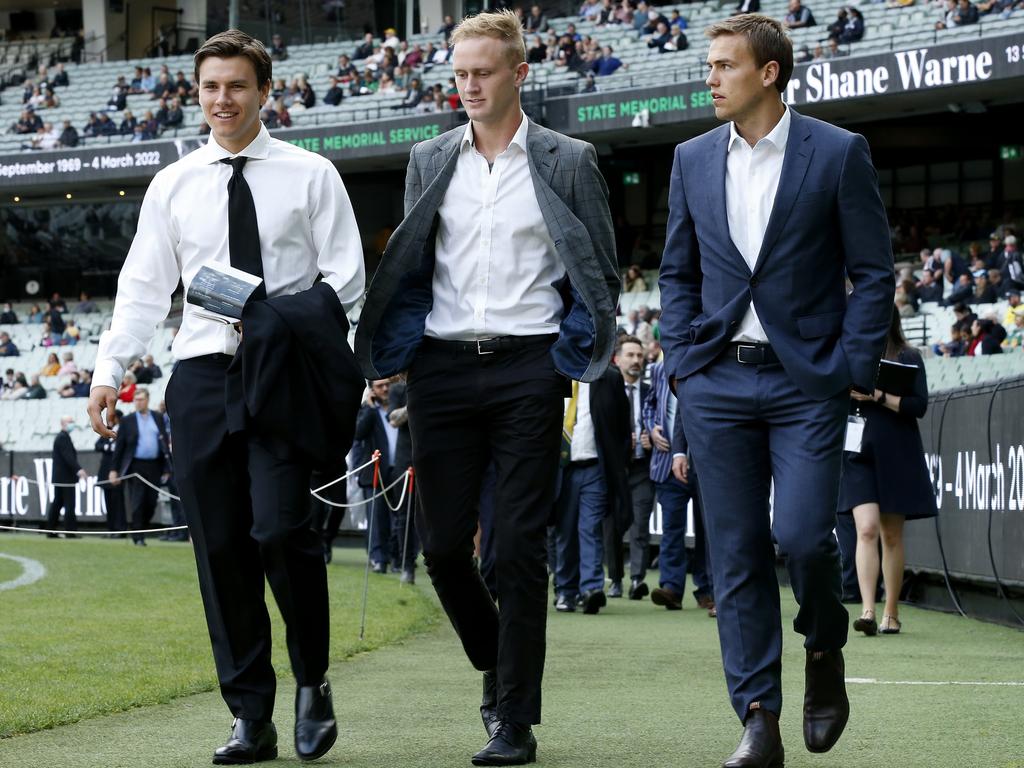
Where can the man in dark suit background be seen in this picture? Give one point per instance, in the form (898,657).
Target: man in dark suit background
(141,448)
(377,433)
(65,471)
(629,359)
(113,496)
(594,489)
(768,218)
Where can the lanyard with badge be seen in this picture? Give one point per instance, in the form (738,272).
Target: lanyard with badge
(855,424)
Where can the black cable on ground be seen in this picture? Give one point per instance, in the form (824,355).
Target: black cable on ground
(991,553)
(937,436)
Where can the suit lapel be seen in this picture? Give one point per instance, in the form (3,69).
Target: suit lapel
(541,149)
(716,192)
(794,167)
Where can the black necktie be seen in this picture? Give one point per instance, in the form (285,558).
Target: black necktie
(243,228)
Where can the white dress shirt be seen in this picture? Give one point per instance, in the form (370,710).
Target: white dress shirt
(496,264)
(751,181)
(584,444)
(637,416)
(306,226)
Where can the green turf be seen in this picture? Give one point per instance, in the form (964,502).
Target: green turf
(633,686)
(9,569)
(114,626)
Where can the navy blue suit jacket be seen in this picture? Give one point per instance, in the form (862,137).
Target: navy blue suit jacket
(828,224)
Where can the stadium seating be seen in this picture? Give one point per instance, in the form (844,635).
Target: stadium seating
(887,29)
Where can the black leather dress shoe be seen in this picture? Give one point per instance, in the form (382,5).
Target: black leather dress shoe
(252,741)
(638,590)
(761,745)
(511,744)
(489,702)
(594,601)
(316,730)
(615,590)
(826,706)
(565,604)
(667,598)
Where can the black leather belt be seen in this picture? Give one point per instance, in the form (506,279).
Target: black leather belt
(754,354)
(492,346)
(583,464)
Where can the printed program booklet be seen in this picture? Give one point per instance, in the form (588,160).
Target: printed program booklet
(896,378)
(218,292)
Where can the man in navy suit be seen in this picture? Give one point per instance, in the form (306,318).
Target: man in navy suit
(769,215)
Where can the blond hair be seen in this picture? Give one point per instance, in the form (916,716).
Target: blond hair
(501,25)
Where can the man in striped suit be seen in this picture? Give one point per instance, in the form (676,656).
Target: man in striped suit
(675,484)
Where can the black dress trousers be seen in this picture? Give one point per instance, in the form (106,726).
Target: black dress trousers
(465,410)
(249,515)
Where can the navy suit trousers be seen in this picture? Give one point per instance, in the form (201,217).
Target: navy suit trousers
(748,426)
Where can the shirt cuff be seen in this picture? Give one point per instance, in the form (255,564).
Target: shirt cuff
(677,455)
(108,373)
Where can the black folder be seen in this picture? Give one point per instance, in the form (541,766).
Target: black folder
(896,378)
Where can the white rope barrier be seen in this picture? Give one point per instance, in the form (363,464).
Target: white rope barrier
(167,494)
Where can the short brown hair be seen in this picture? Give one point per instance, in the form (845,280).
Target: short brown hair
(768,41)
(234,42)
(500,25)
(627,339)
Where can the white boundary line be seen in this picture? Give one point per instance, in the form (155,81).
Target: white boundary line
(873,681)
(32,571)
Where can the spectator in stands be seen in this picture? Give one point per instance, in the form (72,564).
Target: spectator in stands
(128,123)
(1012,303)
(307,97)
(854,30)
(966,13)
(677,40)
(963,290)
(69,365)
(1015,338)
(983,292)
(986,338)
(536,21)
(60,77)
(346,70)
(834,51)
(78,386)
(68,136)
(149,125)
(8,316)
(52,367)
(995,281)
(71,334)
(36,391)
(1011,264)
(537,52)
(135,86)
(606,64)
(105,126)
(7,347)
(953,265)
(365,49)
(928,289)
(17,390)
(126,393)
(747,6)
(278,50)
(590,9)
(268,116)
(634,281)
(118,96)
(638,327)
(948,16)
(37,100)
(29,122)
(163,88)
(413,95)
(660,38)
(92,126)
(148,82)
(47,138)
(26,94)
(86,305)
(9,379)
(150,369)
(447,28)
(654,18)
(335,93)
(161,113)
(799,16)
(175,116)
(836,27)
(35,314)
(284,117)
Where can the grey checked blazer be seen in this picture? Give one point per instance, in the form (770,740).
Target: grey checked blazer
(573,197)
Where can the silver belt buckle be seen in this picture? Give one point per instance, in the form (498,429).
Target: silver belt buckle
(739,348)
(480,351)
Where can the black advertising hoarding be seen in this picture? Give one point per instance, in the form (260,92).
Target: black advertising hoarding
(26,492)
(112,163)
(914,69)
(974,448)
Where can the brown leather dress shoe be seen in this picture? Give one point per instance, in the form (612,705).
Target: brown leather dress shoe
(826,706)
(667,598)
(761,745)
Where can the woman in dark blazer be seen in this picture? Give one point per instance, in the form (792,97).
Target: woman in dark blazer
(887,483)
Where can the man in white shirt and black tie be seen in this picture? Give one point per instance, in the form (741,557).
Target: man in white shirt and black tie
(497,289)
(246,498)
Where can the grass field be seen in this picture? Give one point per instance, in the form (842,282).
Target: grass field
(114,626)
(632,687)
